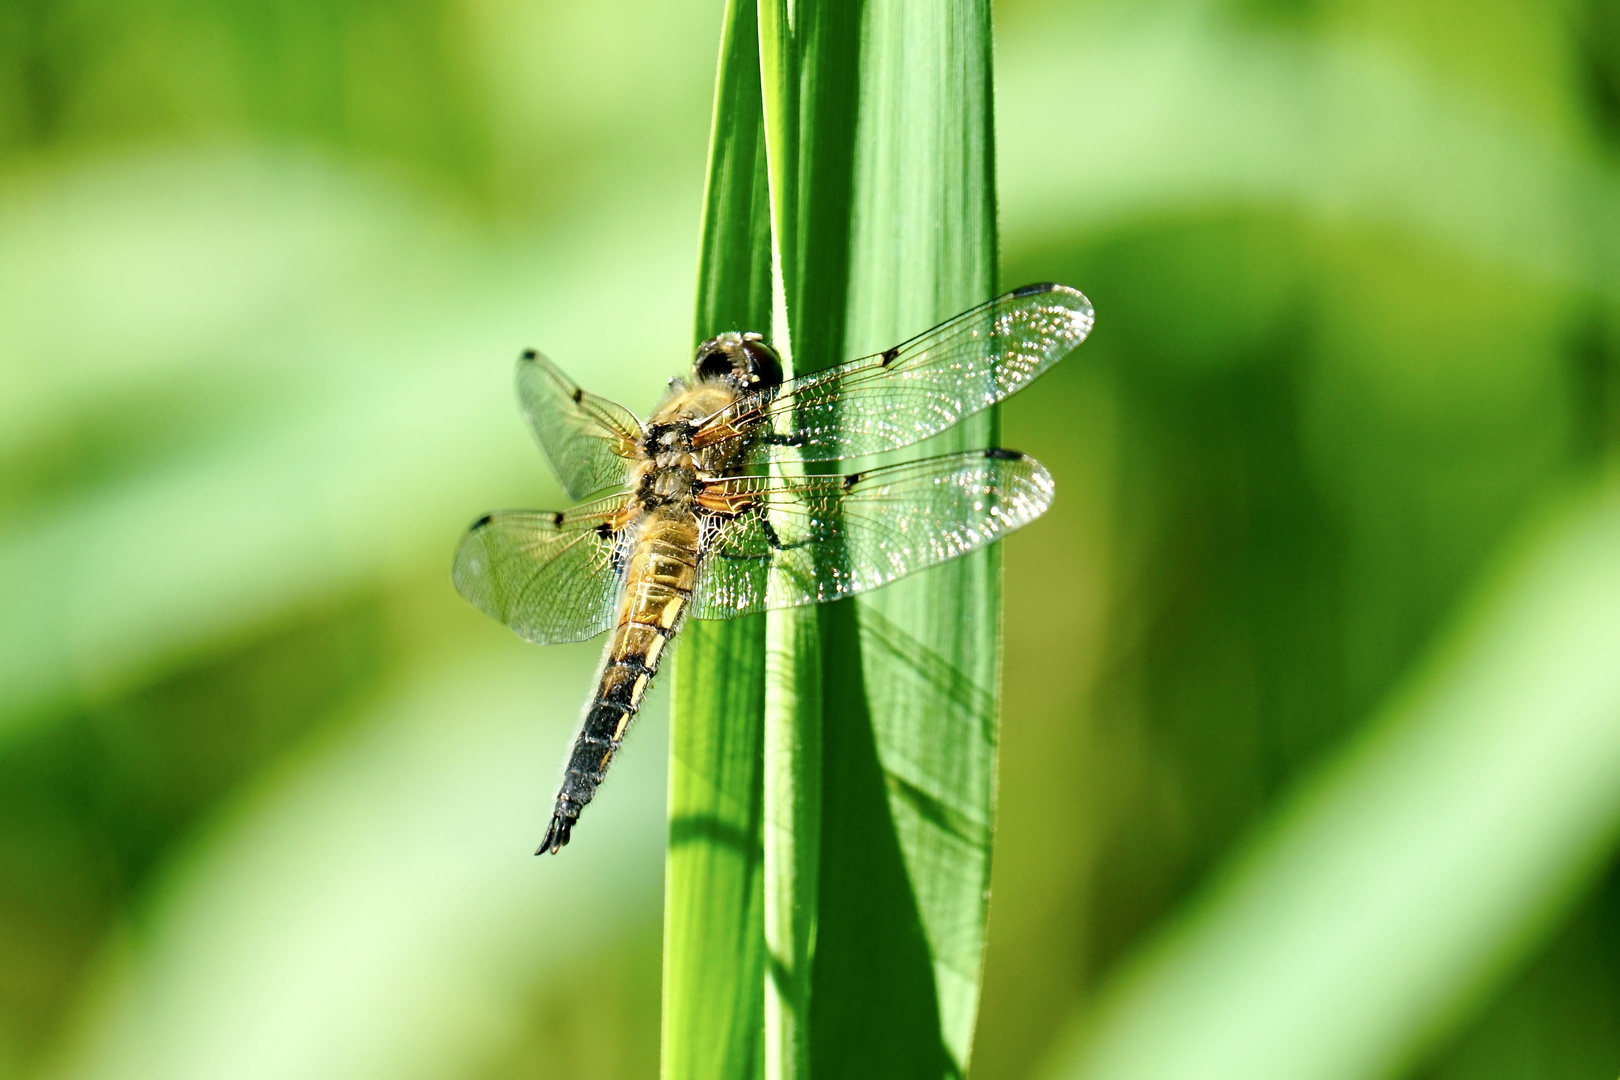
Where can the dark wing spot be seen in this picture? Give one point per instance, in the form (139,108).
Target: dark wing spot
(557,518)
(529,354)
(999,454)
(890,356)
(1031,290)
(604,530)
(579,395)
(851,480)
(481,522)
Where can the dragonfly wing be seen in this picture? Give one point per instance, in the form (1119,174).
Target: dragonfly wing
(551,577)
(810,539)
(588,439)
(916,389)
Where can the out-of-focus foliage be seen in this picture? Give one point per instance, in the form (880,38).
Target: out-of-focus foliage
(1353,274)
(267,787)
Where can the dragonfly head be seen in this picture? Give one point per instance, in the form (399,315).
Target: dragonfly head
(742,360)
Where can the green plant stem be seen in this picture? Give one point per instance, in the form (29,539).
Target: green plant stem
(923,246)
(810,70)
(873,743)
(793,759)
(714,958)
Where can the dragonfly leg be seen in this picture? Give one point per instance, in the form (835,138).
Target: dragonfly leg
(772,538)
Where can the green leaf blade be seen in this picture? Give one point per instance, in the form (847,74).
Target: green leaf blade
(875,736)
(714,958)
(884,203)
(925,247)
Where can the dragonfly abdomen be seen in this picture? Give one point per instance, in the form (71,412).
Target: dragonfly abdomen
(659,577)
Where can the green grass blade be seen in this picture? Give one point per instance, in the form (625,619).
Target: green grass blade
(810,74)
(713,937)
(793,768)
(923,247)
(879,119)
(1423,866)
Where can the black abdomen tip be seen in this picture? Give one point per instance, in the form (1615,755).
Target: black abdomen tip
(1000,454)
(556,834)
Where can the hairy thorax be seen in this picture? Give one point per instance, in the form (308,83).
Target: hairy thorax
(670,474)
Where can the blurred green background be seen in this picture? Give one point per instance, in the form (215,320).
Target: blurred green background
(267,786)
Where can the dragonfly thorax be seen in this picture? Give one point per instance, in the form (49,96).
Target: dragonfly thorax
(666,441)
(665,486)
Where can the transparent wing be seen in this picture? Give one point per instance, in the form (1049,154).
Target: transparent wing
(809,539)
(588,439)
(551,577)
(915,389)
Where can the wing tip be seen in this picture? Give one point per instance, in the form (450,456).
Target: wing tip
(1078,302)
(1033,481)
(1042,487)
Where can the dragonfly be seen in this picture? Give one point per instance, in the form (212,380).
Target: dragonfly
(708,510)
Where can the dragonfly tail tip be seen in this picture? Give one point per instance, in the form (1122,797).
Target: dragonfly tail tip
(557,833)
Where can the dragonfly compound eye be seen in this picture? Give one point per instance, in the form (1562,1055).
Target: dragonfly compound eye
(744,360)
(764,367)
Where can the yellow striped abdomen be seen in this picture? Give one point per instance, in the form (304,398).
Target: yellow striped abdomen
(658,581)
